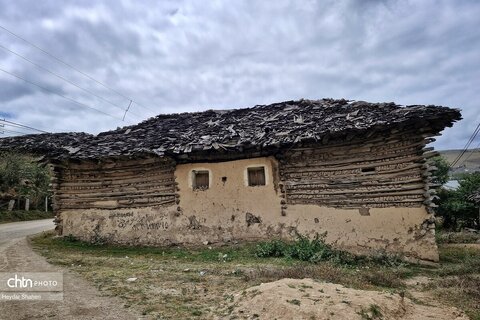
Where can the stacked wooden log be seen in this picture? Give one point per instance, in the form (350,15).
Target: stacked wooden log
(114,184)
(380,171)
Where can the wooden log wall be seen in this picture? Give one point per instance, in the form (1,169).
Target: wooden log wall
(376,172)
(114,184)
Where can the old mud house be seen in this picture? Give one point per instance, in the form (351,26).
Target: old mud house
(355,170)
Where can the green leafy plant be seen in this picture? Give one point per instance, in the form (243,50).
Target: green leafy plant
(441,175)
(454,206)
(316,250)
(22,177)
(302,248)
(274,248)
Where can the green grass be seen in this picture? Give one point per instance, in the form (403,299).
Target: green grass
(242,253)
(21,215)
(196,282)
(457,280)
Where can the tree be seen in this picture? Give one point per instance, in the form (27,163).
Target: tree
(21,176)
(441,175)
(455,207)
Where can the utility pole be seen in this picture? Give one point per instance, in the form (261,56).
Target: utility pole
(126,110)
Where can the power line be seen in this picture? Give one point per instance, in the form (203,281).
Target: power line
(471,153)
(76,69)
(15,124)
(467,145)
(58,94)
(65,79)
(13,131)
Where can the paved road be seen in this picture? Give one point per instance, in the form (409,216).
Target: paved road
(9,232)
(81,300)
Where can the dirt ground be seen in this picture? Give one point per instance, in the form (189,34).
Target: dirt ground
(310,299)
(81,299)
(230,282)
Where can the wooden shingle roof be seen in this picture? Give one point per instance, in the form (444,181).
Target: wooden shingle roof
(263,127)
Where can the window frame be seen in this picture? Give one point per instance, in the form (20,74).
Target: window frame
(194,174)
(252,168)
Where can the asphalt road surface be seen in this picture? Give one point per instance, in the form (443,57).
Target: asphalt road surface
(9,232)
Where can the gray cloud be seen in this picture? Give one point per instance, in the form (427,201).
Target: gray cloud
(176,56)
(10,91)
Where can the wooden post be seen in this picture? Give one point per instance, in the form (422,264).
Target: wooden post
(46,204)
(11,204)
(27,204)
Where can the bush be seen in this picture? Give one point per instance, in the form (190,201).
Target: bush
(302,249)
(305,249)
(274,248)
(454,206)
(316,250)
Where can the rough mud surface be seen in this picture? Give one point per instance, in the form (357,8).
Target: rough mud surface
(309,299)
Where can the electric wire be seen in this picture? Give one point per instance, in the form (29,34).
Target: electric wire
(74,68)
(16,124)
(66,80)
(13,131)
(59,94)
(472,151)
(467,145)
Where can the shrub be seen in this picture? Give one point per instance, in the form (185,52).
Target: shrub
(305,249)
(455,207)
(316,250)
(274,248)
(302,249)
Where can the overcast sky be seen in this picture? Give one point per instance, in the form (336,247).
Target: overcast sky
(174,56)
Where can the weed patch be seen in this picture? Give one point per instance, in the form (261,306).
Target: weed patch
(316,250)
(371,313)
(294,301)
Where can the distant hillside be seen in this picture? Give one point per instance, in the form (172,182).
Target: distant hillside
(469,162)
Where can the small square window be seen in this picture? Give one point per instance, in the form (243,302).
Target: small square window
(368,170)
(200,180)
(256,176)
